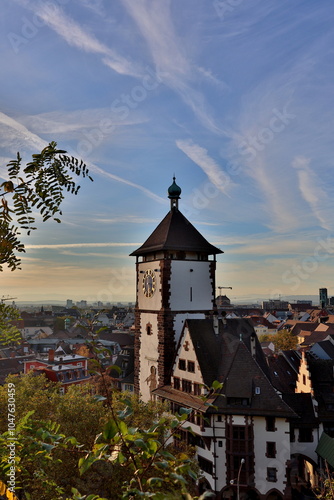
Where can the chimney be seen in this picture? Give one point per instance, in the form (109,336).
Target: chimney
(51,355)
(215,324)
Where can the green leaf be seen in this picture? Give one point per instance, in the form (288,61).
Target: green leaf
(140,444)
(97,397)
(155,481)
(85,463)
(216,385)
(110,430)
(152,446)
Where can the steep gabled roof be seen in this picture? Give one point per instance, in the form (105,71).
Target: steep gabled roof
(206,346)
(244,376)
(302,405)
(234,357)
(232,332)
(283,377)
(176,233)
(327,346)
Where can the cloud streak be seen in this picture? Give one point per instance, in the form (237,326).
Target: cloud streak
(173,67)
(81,245)
(14,135)
(76,36)
(209,166)
(311,191)
(17,137)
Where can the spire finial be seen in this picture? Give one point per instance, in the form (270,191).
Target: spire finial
(174,192)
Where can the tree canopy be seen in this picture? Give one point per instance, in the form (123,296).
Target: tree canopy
(114,447)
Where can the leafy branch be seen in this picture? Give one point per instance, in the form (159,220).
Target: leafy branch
(9,333)
(38,186)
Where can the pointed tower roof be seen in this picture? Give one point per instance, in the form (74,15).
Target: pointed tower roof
(175,232)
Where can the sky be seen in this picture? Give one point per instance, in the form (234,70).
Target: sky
(233,97)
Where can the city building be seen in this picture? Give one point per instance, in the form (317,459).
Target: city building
(323,297)
(182,346)
(175,270)
(60,367)
(275,304)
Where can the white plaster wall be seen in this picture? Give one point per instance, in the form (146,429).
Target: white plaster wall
(282,439)
(307,449)
(238,420)
(182,279)
(148,353)
(220,433)
(189,355)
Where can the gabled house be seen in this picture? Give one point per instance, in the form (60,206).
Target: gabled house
(241,432)
(246,427)
(323,349)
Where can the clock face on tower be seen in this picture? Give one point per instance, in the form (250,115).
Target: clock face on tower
(149,283)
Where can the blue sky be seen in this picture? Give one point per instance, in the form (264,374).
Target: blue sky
(234,97)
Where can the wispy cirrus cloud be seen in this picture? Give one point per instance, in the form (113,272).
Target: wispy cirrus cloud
(210,167)
(81,245)
(15,136)
(312,192)
(123,219)
(74,122)
(155,23)
(76,36)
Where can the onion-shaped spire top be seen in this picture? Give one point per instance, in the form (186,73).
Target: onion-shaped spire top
(174,192)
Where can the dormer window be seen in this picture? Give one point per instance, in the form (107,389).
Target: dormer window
(237,401)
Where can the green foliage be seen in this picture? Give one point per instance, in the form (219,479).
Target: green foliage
(114,445)
(325,488)
(34,447)
(81,446)
(38,186)
(9,334)
(153,469)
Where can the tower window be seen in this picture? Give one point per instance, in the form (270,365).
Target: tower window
(205,465)
(149,329)
(272,474)
(271,449)
(305,435)
(270,424)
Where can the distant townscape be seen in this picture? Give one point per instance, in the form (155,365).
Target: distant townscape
(267,432)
